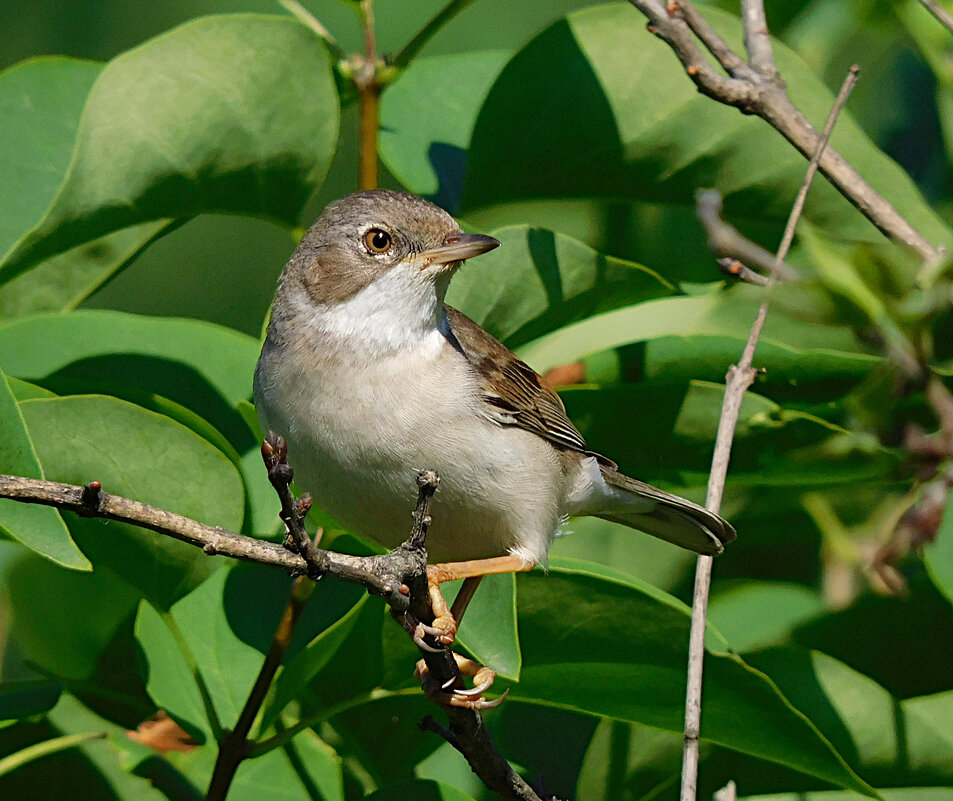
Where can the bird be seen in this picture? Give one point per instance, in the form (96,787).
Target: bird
(370,377)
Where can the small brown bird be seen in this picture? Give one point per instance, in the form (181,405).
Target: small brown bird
(370,378)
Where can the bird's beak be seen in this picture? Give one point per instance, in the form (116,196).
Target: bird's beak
(458,247)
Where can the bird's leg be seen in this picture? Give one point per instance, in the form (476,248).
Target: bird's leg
(447,619)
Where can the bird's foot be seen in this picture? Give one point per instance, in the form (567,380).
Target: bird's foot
(468,698)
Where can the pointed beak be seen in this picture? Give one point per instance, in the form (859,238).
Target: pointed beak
(458,247)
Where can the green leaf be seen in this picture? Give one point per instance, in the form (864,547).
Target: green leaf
(419,790)
(39,346)
(23,699)
(227,624)
(149,458)
(901,643)
(635,672)
(757,614)
(63,282)
(41,101)
(310,661)
(63,630)
(307,767)
(489,629)
(888,794)
(38,527)
(170,680)
(727,314)
(595,106)
(228,113)
(424,144)
(543,280)
(891,742)
(938,555)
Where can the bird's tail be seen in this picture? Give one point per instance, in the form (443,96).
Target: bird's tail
(661,514)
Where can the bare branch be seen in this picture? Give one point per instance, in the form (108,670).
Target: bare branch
(757,39)
(736,269)
(676,33)
(942,15)
(718,47)
(725,240)
(762,92)
(739,378)
(378,575)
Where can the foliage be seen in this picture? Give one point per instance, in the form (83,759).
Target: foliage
(578,141)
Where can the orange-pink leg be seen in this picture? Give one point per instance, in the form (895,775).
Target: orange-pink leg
(447,619)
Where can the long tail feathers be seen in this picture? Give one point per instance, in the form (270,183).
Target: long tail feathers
(664,515)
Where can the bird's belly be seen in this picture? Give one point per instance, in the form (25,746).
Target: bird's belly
(500,487)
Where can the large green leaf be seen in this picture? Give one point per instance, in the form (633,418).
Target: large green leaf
(63,630)
(901,643)
(305,768)
(232,113)
(424,144)
(891,742)
(40,103)
(39,346)
(38,527)
(635,671)
(542,280)
(725,314)
(226,626)
(595,106)
(419,790)
(63,282)
(150,458)
(756,614)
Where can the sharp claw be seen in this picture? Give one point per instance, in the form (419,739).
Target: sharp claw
(448,683)
(433,631)
(476,703)
(475,691)
(419,642)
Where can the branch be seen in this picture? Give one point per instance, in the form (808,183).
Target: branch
(942,15)
(757,88)
(235,746)
(441,18)
(726,241)
(400,577)
(380,575)
(739,378)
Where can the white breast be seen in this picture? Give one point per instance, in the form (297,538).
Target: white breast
(365,407)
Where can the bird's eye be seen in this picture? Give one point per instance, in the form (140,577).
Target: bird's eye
(378,241)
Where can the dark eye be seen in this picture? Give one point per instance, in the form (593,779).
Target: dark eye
(377,241)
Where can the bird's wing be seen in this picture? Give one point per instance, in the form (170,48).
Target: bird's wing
(513,393)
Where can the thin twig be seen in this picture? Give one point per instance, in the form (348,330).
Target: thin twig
(234,748)
(303,15)
(414,46)
(736,269)
(739,378)
(942,15)
(726,241)
(368,89)
(757,39)
(762,92)
(380,575)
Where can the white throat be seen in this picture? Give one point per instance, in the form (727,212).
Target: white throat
(403,308)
